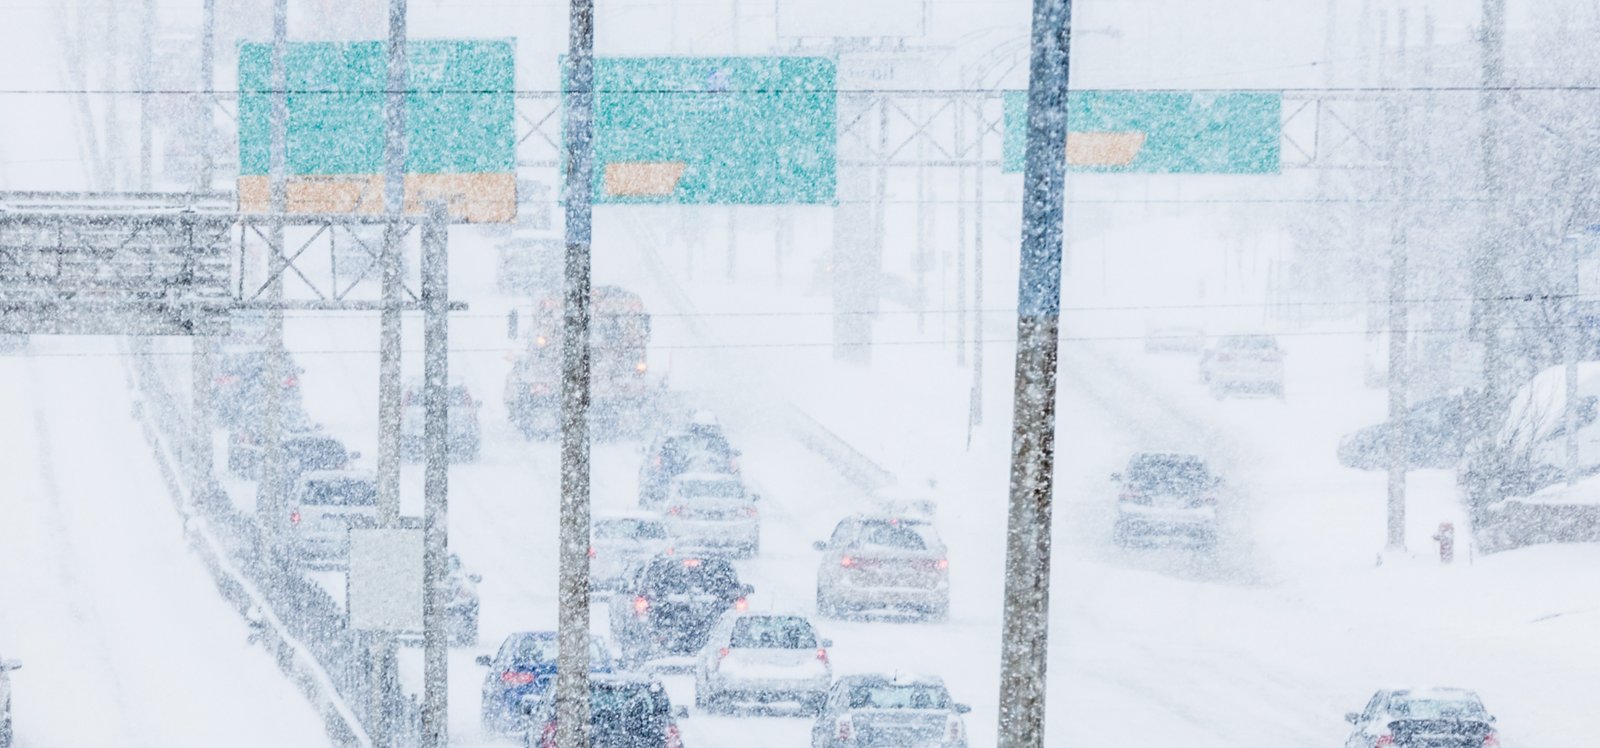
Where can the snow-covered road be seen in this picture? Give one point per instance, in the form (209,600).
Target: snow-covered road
(123,636)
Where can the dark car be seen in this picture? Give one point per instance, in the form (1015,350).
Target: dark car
(522,674)
(877,711)
(1437,432)
(624,712)
(247,440)
(240,387)
(697,447)
(668,604)
(1165,495)
(1423,718)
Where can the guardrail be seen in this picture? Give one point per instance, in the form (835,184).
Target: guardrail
(293,618)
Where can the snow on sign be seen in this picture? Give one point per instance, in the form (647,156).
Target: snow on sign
(714,130)
(384,591)
(1159,132)
(460,127)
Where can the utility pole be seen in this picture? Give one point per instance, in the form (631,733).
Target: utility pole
(1025,629)
(572,663)
(975,405)
(202,355)
(147,19)
(392,275)
(436,481)
(1489,284)
(961,238)
(114,155)
(1399,380)
(208,82)
(270,491)
(1569,355)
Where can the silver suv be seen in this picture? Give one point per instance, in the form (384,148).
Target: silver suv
(1243,363)
(883,562)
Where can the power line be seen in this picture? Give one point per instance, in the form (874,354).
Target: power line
(957,91)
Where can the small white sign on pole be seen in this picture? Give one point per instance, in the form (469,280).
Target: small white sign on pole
(384,589)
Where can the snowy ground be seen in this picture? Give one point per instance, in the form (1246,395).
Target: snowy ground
(123,636)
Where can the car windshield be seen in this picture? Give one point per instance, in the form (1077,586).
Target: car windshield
(711,489)
(898,696)
(637,709)
(894,534)
(712,576)
(772,632)
(1168,473)
(1437,708)
(536,651)
(340,492)
(629,529)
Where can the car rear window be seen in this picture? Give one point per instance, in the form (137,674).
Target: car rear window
(693,575)
(1175,473)
(715,489)
(630,529)
(898,696)
(534,651)
(635,709)
(340,492)
(899,535)
(1407,708)
(773,632)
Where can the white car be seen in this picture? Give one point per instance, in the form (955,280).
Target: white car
(1166,495)
(617,541)
(712,512)
(6,666)
(1240,363)
(762,658)
(326,504)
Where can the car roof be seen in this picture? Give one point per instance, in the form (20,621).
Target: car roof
(361,475)
(1433,692)
(640,516)
(894,519)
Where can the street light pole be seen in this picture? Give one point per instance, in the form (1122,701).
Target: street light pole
(1025,628)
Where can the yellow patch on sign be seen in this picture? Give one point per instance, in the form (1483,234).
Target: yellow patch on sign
(1103,148)
(642,178)
(469,198)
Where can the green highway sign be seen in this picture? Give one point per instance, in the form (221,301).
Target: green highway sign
(460,126)
(714,130)
(1159,132)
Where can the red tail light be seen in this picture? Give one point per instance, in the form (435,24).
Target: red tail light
(741,604)
(640,605)
(290,381)
(1491,741)
(1384,741)
(294,517)
(673,739)
(671,550)
(944,563)
(1209,499)
(591,551)
(722,654)
(847,562)
(227,379)
(842,729)
(822,655)
(514,678)
(675,510)
(751,511)
(547,736)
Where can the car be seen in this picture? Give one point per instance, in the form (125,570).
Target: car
(713,512)
(461,612)
(1166,495)
(1240,363)
(1437,432)
(463,438)
(522,673)
(698,446)
(239,390)
(1163,338)
(6,666)
(325,505)
(668,604)
(625,711)
(879,711)
(875,562)
(762,658)
(310,451)
(618,541)
(12,342)
(247,441)
(1423,718)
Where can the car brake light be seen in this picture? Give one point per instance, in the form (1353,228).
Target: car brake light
(751,511)
(944,563)
(1491,741)
(514,678)
(674,510)
(591,551)
(673,739)
(290,381)
(640,605)
(671,551)
(227,379)
(842,728)
(741,604)
(294,517)
(1384,741)
(722,654)
(1135,497)
(847,562)
(1209,499)
(822,655)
